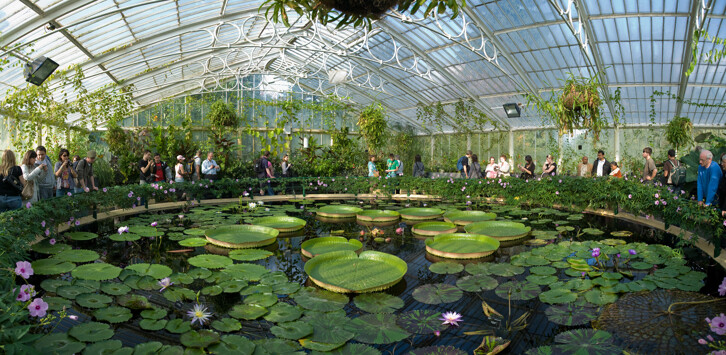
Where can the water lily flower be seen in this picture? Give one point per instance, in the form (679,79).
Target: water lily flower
(154,224)
(164,283)
(199,313)
(722,288)
(38,308)
(399,230)
(51,241)
(252,205)
(595,252)
(124,229)
(72,317)
(261,203)
(181,216)
(23,269)
(632,251)
(245,193)
(437,333)
(618,255)
(718,324)
(452,318)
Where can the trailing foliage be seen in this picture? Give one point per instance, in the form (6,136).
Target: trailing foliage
(373,126)
(678,132)
(466,117)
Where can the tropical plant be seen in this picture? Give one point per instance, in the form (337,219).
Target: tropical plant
(373,126)
(679,131)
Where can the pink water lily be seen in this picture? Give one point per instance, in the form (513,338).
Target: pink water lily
(154,224)
(23,269)
(38,308)
(595,252)
(399,230)
(124,229)
(452,318)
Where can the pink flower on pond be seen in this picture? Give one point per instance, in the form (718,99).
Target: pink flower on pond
(399,230)
(23,269)
(718,324)
(595,252)
(452,318)
(154,224)
(437,332)
(632,251)
(38,308)
(722,287)
(51,241)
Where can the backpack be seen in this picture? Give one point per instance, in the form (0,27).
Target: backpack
(678,174)
(460,163)
(260,167)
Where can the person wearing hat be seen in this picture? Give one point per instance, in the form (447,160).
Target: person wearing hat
(84,169)
(179,172)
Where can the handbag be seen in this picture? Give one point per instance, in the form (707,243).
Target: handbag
(13,181)
(376,173)
(28,190)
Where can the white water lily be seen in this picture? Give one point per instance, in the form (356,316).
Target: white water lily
(199,313)
(252,205)
(124,229)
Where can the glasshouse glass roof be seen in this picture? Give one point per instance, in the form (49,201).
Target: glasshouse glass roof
(493,53)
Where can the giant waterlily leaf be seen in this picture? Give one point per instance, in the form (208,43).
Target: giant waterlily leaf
(81,235)
(113,314)
(58,343)
(330,328)
(96,271)
(292,330)
(320,300)
(558,296)
(570,314)
(249,254)
(51,266)
(476,283)
(437,350)
(210,261)
(446,267)
(346,271)
(227,325)
(233,345)
(437,294)
(91,332)
(193,242)
(77,255)
(242,236)
(317,346)
(283,312)
(424,321)
(350,349)
(378,302)
(519,290)
(586,341)
(322,245)
(199,339)
(377,329)
(461,245)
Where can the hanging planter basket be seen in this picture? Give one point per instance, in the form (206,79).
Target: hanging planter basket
(363,8)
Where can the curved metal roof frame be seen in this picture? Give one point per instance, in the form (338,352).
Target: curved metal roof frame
(493,53)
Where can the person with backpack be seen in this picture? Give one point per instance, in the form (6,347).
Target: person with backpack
(11,183)
(263,172)
(673,173)
(462,165)
(86,177)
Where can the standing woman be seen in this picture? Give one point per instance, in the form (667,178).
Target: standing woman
(179,171)
(418,167)
(65,174)
(286,172)
(504,169)
(372,170)
(492,169)
(475,171)
(31,173)
(10,175)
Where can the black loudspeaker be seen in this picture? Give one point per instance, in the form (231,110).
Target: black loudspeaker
(40,69)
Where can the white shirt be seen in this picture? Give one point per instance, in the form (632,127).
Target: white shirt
(600,164)
(504,168)
(583,170)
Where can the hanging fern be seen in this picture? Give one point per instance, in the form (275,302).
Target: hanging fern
(373,126)
(679,131)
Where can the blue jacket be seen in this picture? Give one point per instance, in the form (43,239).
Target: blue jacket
(708,180)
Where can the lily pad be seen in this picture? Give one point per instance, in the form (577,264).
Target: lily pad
(500,230)
(377,328)
(96,271)
(461,245)
(246,271)
(106,347)
(338,211)
(178,326)
(283,312)
(247,311)
(503,269)
(378,302)
(58,343)
(210,261)
(276,346)
(113,314)
(570,314)
(44,247)
(592,231)
(152,324)
(77,255)
(423,321)
(57,303)
(242,236)
(476,283)
(262,299)
(433,228)
(233,345)
(446,267)
(292,330)
(125,237)
(91,332)
(199,339)
(156,271)
(520,290)
(320,300)
(145,231)
(93,300)
(51,285)
(330,328)
(193,242)
(437,293)
(81,235)
(345,271)
(350,349)
(377,216)
(154,313)
(313,247)
(227,325)
(596,296)
(558,296)
(249,254)
(51,266)
(462,218)
(621,234)
(437,350)
(133,301)
(281,223)
(420,213)
(586,341)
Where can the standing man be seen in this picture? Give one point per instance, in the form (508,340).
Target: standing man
(709,177)
(46,181)
(463,165)
(86,179)
(584,169)
(399,171)
(264,173)
(601,166)
(669,167)
(210,167)
(160,170)
(197,171)
(145,165)
(392,166)
(649,169)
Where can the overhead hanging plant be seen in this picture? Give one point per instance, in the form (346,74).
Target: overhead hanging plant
(373,125)
(678,132)
(354,12)
(222,116)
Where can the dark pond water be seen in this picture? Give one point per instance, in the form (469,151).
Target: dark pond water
(287,259)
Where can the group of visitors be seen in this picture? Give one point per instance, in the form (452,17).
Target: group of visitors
(711,181)
(37,178)
(152,169)
(469,167)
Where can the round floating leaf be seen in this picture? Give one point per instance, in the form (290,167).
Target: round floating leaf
(233,286)
(233,345)
(156,271)
(81,235)
(461,245)
(378,302)
(476,283)
(145,231)
(520,290)
(134,301)
(437,294)
(212,290)
(151,347)
(424,321)
(210,261)
(350,349)
(500,230)
(242,236)
(247,311)
(113,314)
(586,341)
(596,296)
(314,247)
(536,260)
(51,285)
(57,303)
(377,329)
(281,223)
(154,313)
(558,296)
(320,300)
(249,254)
(345,271)
(51,266)
(338,211)
(592,231)
(152,324)
(446,267)
(466,217)
(181,279)
(93,300)
(96,271)
(193,242)
(276,346)
(246,271)
(377,216)
(194,231)
(115,289)
(105,347)
(543,270)
(570,314)
(255,289)
(433,228)
(44,247)
(262,299)
(330,328)
(199,273)
(621,234)
(199,339)
(71,292)
(292,330)
(178,326)
(286,288)
(77,255)
(419,213)
(437,350)
(227,325)
(506,270)
(58,343)
(125,237)
(91,332)
(283,312)
(542,279)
